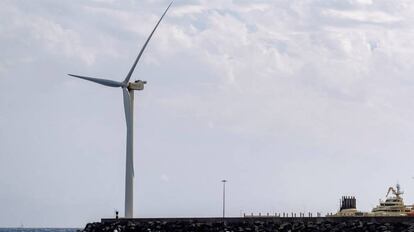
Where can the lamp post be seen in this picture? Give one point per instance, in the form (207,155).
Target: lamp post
(224,197)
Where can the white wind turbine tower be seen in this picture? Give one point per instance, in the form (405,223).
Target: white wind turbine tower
(128,89)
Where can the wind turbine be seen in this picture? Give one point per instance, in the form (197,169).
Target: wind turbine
(128,89)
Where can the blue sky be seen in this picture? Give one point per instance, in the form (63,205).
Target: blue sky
(295,102)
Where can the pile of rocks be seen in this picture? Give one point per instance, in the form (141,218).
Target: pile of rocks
(240,226)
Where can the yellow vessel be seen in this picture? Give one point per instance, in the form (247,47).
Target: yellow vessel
(393,205)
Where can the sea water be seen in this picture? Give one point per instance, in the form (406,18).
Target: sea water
(38,230)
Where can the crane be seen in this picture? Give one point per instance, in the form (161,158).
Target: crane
(396,193)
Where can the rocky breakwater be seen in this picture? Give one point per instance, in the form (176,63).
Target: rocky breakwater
(248,225)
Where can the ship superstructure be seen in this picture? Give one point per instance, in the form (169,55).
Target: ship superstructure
(347,207)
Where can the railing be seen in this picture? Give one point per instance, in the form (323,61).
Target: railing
(286,215)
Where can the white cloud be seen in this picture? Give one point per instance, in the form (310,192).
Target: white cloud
(186,10)
(57,39)
(364,2)
(37,31)
(364,16)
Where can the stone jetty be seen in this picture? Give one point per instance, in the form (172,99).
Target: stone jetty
(253,224)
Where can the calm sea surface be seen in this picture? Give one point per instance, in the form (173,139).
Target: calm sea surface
(38,230)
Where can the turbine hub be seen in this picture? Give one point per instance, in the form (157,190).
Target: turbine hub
(136,85)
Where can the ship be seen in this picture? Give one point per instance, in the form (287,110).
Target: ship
(393,204)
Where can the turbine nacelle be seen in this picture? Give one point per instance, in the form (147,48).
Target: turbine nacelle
(136,85)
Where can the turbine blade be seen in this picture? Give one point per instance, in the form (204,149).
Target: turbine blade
(127,106)
(105,82)
(145,45)
(129,126)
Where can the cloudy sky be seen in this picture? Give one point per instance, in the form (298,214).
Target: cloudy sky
(295,102)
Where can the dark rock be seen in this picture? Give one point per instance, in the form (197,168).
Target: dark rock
(246,225)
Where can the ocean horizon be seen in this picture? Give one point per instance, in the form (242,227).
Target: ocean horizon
(39,229)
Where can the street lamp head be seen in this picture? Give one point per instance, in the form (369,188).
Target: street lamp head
(224,181)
